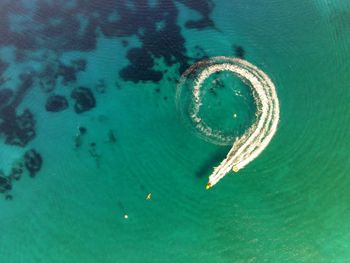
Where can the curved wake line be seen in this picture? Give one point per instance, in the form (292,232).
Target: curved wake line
(258,136)
(248,147)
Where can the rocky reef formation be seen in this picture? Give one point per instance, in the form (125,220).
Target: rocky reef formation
(239,51)
(33,162)
(204,7)
(56,103)
(5,183)
(84,99)
(18,129)
(154,25)
(5,97)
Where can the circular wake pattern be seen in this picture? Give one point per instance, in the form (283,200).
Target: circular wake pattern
(256,138)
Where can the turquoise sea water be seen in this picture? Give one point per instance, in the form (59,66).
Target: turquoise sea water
(291,204)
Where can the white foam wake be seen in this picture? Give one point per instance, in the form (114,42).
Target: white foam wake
(246,148)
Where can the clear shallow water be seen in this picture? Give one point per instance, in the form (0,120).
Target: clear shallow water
(289,205)
(226,107)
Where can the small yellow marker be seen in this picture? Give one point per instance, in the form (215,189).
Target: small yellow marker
(235,168)
(235,115)
(126,216)
(149,196)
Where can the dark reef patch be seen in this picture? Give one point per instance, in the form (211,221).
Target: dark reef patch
(137,74)
(79,64)
(5,183)
(239,51)
(140,56)
(125,43)
(112,138)
(3,66)
(56,103)
(26,84)
(82,130)
(18,129)
(165,41)
(8,197)
(33,162)
(204,7)
(17,171)
(5,97)
(48,77)
(154,24)
(84,99)
(54,69)
(50,28)
(69,72)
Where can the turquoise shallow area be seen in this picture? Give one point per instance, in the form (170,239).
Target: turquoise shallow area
(290,205)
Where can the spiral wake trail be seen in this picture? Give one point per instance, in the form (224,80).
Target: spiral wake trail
(256,138)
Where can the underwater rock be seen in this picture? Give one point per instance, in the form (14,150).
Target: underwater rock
(48,77)
(55,69)
(165,42)
(141,68)
(140,56)
(111,136)
(200,24)
(204,7)
(125,43)
(3,66)
(16,173)
(26,83)
(47,85)
(17,170)
(82,130)
(5,183)
(3,80)
(94,154)
(84,98)
(19,130)
(56,103)
(33,162)
(68,73)
(239,51)
(136,74)
(5,96)
(78,139)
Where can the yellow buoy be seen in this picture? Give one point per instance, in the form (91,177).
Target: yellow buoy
(149,196)
(126,216)
(235,168)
